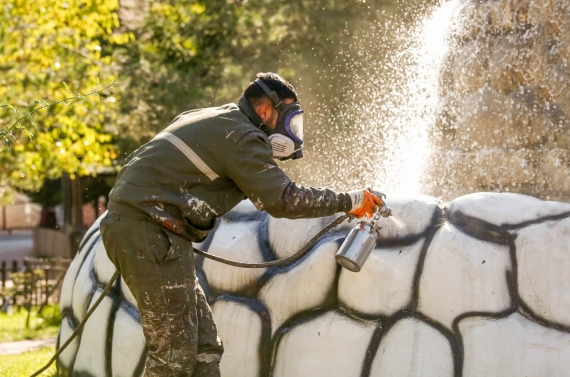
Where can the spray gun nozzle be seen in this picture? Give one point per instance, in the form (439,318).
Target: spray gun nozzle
(385,211)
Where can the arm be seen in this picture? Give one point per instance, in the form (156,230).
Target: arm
(254,171)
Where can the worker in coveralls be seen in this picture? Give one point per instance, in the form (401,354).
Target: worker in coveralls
(172,189)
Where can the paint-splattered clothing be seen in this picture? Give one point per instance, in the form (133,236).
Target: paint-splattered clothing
(162,181)
(158,267)
(169,193)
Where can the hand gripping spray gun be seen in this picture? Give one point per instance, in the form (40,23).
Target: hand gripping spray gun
(361,240)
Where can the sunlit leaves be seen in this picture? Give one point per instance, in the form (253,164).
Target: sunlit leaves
(43,44)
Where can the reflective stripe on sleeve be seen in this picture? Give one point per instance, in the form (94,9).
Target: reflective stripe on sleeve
(189,153)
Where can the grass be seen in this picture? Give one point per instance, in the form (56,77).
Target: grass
(13,326)
(24,364)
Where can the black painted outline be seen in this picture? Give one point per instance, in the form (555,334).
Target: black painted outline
(471,226)
(258,307)
(309,315)
(91,247)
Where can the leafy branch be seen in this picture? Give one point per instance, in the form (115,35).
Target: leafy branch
(7,133)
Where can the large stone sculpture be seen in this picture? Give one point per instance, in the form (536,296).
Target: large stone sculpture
(475,287)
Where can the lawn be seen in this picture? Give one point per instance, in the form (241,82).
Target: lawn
(13,326)
(24,364)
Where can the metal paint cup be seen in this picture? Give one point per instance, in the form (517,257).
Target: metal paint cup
(357,247)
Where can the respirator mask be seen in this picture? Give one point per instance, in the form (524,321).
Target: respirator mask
(287,137)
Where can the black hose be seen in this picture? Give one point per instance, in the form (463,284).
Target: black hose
(279,262)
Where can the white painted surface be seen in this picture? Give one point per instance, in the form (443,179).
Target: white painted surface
(287,236)
(385,283)
(462,274)
(83,288)
(127,293)
(238,242)
(305,286)
(410,216)
(70,276)
(328,346)
(91,354)
(505,208)
(513,347)
(240,329)
(543,256)
(413,348)
(67,356)
(128,344)
(104,268)
(453,281)
(244,208)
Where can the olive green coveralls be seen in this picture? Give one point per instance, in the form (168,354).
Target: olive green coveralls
(168,195)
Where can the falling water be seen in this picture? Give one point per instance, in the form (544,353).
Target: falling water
(449,99)
(409,102)
(376,134)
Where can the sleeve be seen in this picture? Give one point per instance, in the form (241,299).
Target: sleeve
(250,165)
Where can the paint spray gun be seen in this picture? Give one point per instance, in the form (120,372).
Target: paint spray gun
(361,240)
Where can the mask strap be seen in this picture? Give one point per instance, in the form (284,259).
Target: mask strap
(274,98)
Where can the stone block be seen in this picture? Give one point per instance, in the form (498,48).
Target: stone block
(83,288)
(305,285)
(512,347)
(127,294)
(240,328)
(239,242)
(385,283)
(69,280)
(103,268)
(411,217)
(543,256)
(330,345)
(462,274)
(91,359)
(67,357)
(129,344)
(505,208)
(413,348)
(281,233)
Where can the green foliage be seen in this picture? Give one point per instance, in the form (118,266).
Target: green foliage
(24,284)
(184,54)
(192,54)
(43,44)
(41,326)
(24,364)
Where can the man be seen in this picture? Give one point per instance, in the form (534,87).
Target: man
(172,189)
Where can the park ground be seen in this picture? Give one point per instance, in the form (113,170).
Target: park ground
(24,350)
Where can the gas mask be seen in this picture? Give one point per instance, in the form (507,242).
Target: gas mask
(287,137)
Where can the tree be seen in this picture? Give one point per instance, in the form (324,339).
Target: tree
(43,45)
(192,54)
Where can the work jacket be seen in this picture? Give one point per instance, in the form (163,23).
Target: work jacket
(202,165)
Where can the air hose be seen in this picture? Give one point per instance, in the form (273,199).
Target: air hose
(279,262)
